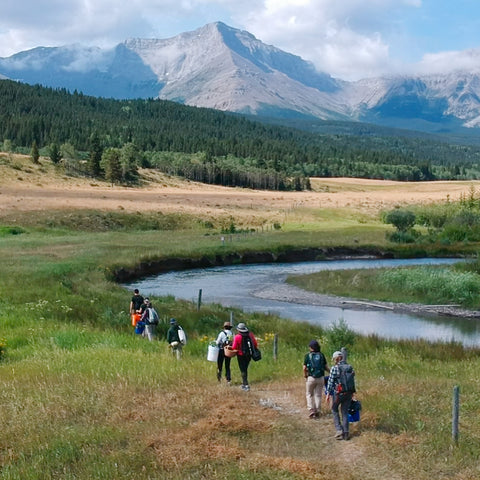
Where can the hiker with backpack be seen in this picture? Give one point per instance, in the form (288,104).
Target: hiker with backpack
(150,319)
(224,338)
(341,387)
(176,338)
(135,307)
(314,366)
(244,343)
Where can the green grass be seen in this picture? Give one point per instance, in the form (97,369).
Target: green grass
(433,285)
(82,397)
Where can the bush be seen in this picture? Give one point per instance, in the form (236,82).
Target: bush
(402,220)
(340,335)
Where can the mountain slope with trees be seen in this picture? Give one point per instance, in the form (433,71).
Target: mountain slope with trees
(219,147)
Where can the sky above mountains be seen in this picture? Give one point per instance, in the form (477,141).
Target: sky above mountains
(349,39)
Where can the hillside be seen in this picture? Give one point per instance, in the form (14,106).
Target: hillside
(45,116)
(30,193)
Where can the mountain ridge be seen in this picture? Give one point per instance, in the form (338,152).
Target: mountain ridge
(217,66)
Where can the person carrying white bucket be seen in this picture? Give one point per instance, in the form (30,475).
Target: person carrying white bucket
(176,338)
(224,338)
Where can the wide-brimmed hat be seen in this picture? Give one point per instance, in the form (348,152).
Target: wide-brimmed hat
(227,325)
(337,354)
(241,327)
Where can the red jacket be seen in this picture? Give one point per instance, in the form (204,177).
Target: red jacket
(237,342)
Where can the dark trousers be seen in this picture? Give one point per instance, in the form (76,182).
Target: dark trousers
(243,362)
(341,401)
(220,360)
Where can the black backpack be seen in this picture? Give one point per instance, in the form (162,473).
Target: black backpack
(346,380)
(317,364)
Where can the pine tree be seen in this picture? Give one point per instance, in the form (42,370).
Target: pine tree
(111,165)
(34,153)
(95,157)
(54,153)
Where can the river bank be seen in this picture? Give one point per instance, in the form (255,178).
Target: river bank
(289,293)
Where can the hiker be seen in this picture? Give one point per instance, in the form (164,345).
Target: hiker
(314,366)
(242,343)
(224,338)
(340,387)
(150,319)
(135,305)
(176,338)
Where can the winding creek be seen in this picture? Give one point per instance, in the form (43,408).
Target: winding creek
(258,287)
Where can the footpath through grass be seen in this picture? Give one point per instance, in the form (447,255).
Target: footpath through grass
(83,398)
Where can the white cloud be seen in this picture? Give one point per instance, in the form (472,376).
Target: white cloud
(348,38)
(443,62)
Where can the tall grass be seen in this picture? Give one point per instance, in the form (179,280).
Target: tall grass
(435,285)
(83,397)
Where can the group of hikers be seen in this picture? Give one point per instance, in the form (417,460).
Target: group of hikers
(338,386)
(145,320)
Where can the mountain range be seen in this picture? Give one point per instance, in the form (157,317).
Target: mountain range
(223,68)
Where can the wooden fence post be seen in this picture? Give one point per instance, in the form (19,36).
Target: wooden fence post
(455,413)
(199,303)
(275,346)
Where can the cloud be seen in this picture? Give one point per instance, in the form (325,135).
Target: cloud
(348,39)
(444,62)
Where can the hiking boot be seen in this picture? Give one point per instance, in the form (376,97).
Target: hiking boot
(219,376)
(346,436)
(339,436)
(246,388)
(312,415)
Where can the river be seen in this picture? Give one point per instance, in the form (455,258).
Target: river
(239,286)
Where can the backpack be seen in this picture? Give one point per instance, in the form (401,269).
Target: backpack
(152,316)
(317,364)
(248,348)
(346,379)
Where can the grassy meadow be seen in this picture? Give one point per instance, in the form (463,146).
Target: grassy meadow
(82,397)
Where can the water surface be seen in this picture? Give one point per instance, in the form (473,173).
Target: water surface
(235,286)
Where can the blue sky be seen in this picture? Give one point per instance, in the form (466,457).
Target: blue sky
(350,39)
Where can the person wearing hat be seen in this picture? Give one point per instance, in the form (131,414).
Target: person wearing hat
(314,366)
(242,345)
(150,319)
(224,338)
(340,388)
(173,338)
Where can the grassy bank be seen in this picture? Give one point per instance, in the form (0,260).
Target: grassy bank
(434,285)
(83,398)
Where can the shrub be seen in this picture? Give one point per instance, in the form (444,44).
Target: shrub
(402,220)
(340,335)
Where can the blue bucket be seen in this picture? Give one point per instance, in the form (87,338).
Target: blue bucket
(354,417)
(139,328)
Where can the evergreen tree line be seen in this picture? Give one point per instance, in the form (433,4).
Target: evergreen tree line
(236,151)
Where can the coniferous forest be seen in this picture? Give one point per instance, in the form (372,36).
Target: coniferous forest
(113,137)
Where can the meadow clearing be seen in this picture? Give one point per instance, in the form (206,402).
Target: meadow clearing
(83,398)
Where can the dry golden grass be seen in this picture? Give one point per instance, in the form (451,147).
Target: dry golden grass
(26,187)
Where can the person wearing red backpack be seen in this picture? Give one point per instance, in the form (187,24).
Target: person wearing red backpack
(242,343)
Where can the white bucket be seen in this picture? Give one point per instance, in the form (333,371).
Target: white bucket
(212,354)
